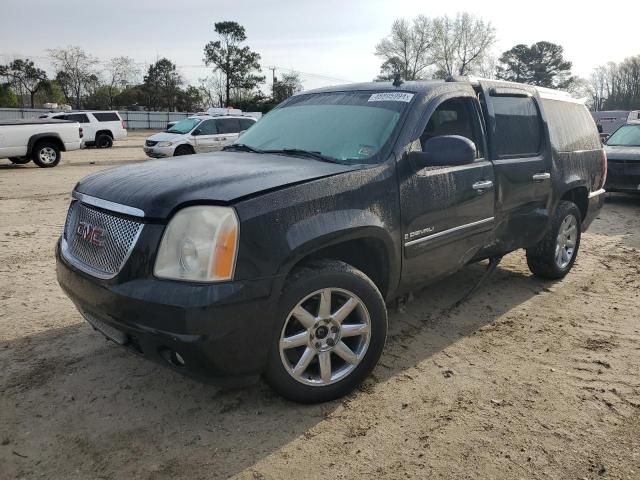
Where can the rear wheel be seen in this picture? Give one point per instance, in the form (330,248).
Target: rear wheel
(183,150)
(104,141)
(46,154)
(330,334)
(19,160)
(556,253)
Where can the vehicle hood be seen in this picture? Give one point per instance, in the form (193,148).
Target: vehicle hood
(622,153)
(160,186)
(166,137)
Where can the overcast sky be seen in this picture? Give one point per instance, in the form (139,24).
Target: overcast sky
(328,41)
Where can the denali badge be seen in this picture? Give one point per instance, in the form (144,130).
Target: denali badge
(89,233)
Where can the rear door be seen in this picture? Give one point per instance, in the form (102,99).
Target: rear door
(447,211)
(88,128)
(228,130)
(521,159)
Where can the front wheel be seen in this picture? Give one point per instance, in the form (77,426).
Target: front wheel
(331,332)
(556,253)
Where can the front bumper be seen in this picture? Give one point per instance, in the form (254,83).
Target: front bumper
(159,152)
(221,332)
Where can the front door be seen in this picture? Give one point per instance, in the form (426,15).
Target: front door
(447,212)
(521,163)
(206,138)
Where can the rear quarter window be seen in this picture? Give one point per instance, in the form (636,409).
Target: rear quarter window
(107,116)
(518,131)
(571,126)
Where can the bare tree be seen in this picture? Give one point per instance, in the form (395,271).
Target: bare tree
(408,47)
(75,72)
(121,72)
(213,88)
(462,43)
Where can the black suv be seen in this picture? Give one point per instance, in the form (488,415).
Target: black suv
(277,256)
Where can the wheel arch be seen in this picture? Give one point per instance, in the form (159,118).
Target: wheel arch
(52,137)
(104,132)
(368,248)
(578,194)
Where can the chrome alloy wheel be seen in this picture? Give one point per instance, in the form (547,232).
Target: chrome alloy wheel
(47,155)
(325,337)
(566,241)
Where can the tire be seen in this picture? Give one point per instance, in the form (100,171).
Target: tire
(104,141)
(183,150)
(19,160)
(319,347)
(46,154)
(546,259)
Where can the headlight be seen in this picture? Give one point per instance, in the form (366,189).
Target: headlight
(165,144)
(199,244)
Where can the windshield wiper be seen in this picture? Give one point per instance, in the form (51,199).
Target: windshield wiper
(243,147)
(304,153)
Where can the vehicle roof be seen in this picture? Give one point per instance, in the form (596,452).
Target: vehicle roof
(82,111)
(208,117)
(425,86)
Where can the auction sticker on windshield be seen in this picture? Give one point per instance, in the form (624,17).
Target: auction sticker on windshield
(391,97)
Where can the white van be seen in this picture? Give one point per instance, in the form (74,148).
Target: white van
(199,134)
(101,128)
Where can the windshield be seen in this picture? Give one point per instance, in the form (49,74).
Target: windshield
(625,136)
(344,126)
(184,126)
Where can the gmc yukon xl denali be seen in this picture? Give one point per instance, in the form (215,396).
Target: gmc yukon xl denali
(277,256)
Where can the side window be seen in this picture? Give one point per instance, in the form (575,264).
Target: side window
(518,127)
(228,125)
(78,117)
(60,117)
(245,123)
(107,116)
(208,127)
(456,116)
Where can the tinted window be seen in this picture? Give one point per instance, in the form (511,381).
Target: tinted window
(78,117)
(518,130)
(60,117)
(571,126)
(245,123)
(107,116)
(454,117)
(208,127)
(228,125)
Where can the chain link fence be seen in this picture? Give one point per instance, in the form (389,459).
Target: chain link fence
(134,119)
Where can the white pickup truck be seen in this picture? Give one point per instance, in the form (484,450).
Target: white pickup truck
(40,140)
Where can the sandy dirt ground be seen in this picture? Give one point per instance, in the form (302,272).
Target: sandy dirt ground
(526,380)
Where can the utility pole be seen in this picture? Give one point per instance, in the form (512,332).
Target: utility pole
(273,80)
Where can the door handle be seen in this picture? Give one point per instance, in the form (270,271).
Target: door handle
(483,185)
(539,177)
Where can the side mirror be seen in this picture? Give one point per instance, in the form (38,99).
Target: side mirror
(240,133)
(599,128)
(196,132)
(444,151)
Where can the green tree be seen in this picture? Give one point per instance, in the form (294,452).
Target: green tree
(162,84)
(26,77)
(190,99)
(8,97)
(238,63)
(542,64)
(288,85)
(50,92)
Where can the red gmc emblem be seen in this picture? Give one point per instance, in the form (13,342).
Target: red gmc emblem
(89,233)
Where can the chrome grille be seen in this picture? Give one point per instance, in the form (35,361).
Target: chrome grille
(103,258)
